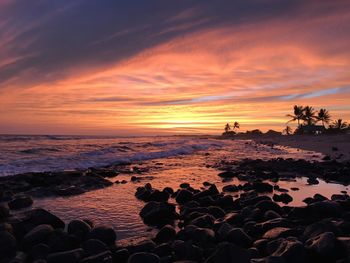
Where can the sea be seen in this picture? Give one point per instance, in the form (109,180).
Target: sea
(165,160)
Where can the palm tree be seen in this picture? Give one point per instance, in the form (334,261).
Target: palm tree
(227,127)
(235,125)
(339,125)
(309,115)
(324,116)
(298,114)
(288,130)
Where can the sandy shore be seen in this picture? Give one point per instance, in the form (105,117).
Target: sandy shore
(335,146)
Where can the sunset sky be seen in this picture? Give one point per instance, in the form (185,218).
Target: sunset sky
(166,67)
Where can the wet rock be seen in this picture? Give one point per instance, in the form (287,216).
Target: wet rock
(318,228)
(322,247)
(183,196)
(168,190)
(93,247)
(165,234)
(158,196)
(69,191)
(71,256)
(230,188)
(184,185)
(312,180)
(262,187)
(291,251)
(294,188)
(158,213)
(39,234)
(103,257)
(240,238)
(284,198)
(216,211)
(204,237)
(8,245)
(144,257)
(4,212)
(121,255)
(326,209)
(266,205)
(105,234)
(227,174)
(186,250)
(227,253)
(39,251)
(79,228)
(271,215)
(204,221)
(278,232)
(20,202)
(163,250)
(223,230)
(61,241)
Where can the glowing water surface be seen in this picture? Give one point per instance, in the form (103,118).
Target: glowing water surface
(117,206)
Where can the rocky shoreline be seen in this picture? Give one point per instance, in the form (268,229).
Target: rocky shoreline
(240,223)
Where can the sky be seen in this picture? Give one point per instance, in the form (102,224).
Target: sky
(169,67)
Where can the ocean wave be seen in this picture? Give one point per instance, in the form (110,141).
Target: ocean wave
(39,150)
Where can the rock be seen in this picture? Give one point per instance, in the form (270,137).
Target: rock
(20,202)
(158,213)
(4,212)
(284,198)
(204,221)
(163,250)
(71,256)
(40,251)
(203,237)
(79,228)
(39,234)
(93,247)
(240,238)
(326,209)
(186,250)
(271,215)
(62,241)
(105,234)
(230,188)
(8,245)
(312,180)
(69,191)
(291,251)
(165,234)
(183,196)
(294,188)
(322,247)
(103,257)
(223,230)
(262,187)
(227,174)
(184,185)
(278,232)
(216,211)
(121,255)
(228,253)
(144,257)
(266,205)
(318,228)
(158,196)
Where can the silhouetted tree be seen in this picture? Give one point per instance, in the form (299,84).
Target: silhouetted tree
(339,125)
(309,115)
(324,116)
(288,130)
(298,114)
(227,127)
(236,125)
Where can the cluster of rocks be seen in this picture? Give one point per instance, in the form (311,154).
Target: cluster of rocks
(275,169)
(54,183)
(210,226)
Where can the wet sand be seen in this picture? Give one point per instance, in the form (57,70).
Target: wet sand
(335,146)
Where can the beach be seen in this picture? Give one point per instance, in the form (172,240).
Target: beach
(193,198)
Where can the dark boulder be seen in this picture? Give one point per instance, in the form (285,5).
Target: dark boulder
(322,247)
(284,198)
(103,257)
(70,256)
(4,212)
(20,202)
(40,251)
(143,257)
(228,253)
(8,245)
(158,213)
(79,228)
(105,234)
(239,237)
(262,187)
(291,251)
(230,188)
(325,209)
(165,234)
(183,196)
(39,234)
(93,247)
(227,174)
